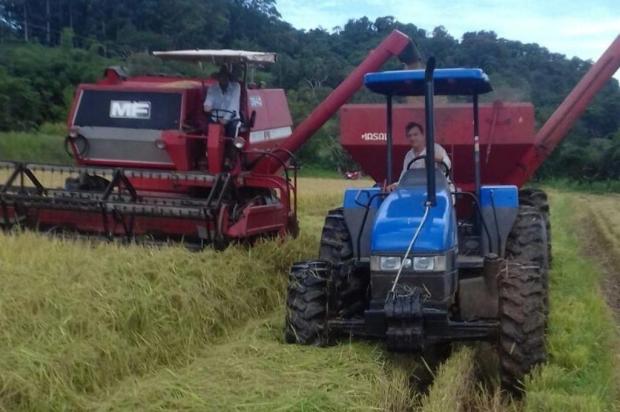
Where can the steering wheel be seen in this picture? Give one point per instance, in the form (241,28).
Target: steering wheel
(221,114)
(446,169)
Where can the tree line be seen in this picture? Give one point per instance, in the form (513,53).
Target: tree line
(48,46)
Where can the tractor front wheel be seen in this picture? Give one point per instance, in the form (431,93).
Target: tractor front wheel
(522,323)
(350,283)
(307,304)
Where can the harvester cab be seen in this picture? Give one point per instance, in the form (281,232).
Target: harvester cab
(425,265)
(240,67)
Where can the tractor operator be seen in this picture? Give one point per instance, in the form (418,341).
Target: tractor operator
(414,133)
(222,101)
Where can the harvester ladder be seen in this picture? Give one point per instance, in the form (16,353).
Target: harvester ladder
(213,205)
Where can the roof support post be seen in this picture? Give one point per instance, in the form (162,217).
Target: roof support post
(389,139)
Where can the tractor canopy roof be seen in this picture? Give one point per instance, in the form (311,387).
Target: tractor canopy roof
(218,56)
(411,82)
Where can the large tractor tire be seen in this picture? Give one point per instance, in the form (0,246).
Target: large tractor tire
(307,304)
(528,243)
(522,323)
(350,284)
(538,199)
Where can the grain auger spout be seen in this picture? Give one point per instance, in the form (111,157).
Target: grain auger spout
(397,44)
(568,112)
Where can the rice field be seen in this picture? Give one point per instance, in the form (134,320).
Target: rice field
(96,326)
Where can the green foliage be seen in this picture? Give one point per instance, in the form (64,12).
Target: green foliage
(36,82)
(46,146)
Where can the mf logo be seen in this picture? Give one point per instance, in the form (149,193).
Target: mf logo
(125,109)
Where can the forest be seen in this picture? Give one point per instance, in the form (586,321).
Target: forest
(49,46)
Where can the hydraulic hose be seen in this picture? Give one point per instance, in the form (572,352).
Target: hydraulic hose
(413,240)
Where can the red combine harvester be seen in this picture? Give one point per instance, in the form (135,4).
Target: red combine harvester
(152,166)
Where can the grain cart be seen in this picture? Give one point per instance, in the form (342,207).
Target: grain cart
(426,265)
(151,166)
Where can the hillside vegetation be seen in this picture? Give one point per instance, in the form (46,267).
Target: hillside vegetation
(43,55)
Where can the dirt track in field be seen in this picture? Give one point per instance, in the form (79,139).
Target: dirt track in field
(600,228)
(599,225)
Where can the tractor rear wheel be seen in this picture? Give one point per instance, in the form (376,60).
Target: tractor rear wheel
(538,199)
(528,243)
(350,284)
(522,323)
(307,304)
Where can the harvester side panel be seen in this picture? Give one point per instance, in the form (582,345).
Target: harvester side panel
(273,118)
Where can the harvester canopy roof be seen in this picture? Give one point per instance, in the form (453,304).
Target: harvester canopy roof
(218,56)
(411,82)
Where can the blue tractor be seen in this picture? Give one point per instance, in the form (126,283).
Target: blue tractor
(404,267)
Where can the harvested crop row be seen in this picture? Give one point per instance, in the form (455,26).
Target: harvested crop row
(78,318)
(75,318)
(254,370)
(454,381)
(468,381)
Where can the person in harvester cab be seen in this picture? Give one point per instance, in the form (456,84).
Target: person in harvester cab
(223,100)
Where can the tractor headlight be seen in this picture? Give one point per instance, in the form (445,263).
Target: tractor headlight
(389,263)
(417,263)
(424,263)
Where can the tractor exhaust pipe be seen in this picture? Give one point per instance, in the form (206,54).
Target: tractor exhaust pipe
(429,92)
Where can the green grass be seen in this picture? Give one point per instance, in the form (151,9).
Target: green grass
(318,172)
(582,337)
(598,186)
(43,146)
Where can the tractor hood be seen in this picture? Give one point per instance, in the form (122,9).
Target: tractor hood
(400,215)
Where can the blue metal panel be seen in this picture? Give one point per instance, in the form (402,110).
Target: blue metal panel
(399,216)
(359,197)
(411,82)
(499,196)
